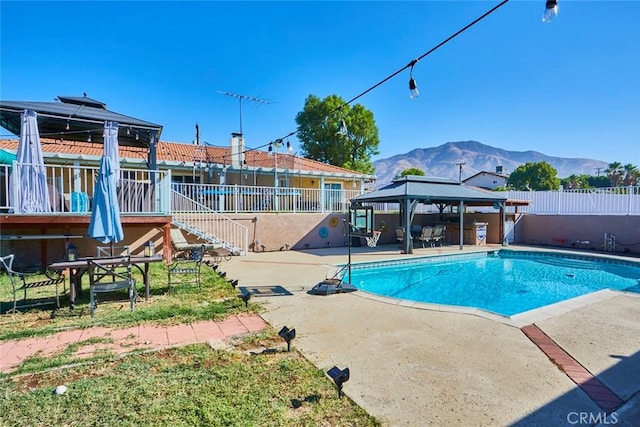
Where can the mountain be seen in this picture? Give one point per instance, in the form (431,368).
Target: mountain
(442,161)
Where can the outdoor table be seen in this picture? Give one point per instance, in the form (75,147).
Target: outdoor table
(78,267)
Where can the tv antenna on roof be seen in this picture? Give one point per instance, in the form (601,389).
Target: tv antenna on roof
(242,98)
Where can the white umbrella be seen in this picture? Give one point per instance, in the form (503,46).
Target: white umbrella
(111,147)
(33,190)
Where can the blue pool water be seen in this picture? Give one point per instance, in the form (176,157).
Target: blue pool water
(504,282)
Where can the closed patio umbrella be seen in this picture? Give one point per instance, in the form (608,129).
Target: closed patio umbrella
(105,225)
(32,192)
(111,147)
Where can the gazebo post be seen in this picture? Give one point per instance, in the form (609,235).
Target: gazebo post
(461,211)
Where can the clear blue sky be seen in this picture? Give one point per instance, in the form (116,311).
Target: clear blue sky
(568,89)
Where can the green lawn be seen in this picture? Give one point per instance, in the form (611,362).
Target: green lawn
(251,383)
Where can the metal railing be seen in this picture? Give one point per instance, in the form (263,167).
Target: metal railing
(71,187)
(71,190)
(243,198)
(209,225)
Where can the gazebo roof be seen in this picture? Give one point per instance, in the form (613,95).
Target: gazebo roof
(75,118)
(430,190)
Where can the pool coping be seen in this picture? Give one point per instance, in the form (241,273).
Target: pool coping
(517,320)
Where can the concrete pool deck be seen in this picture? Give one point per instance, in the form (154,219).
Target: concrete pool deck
(417,365)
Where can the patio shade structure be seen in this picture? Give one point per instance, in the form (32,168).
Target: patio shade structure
(30,191)
(78,118)
(410,190)
(105,225)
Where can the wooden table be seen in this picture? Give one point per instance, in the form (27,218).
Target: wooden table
(78,267)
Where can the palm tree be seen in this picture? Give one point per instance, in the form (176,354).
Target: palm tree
(614,171)
(631,174)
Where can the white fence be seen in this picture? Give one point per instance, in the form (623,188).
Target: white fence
(595,201)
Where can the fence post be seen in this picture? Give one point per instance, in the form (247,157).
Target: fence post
(559,201)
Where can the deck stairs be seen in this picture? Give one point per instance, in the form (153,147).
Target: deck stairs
(208,225)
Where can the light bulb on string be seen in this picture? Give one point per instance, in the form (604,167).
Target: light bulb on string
(413,86)
(342,128)
(550,11)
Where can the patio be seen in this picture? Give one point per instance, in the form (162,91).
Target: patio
(416,367)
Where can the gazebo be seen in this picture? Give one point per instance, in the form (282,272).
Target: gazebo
(82,119)
(409,191)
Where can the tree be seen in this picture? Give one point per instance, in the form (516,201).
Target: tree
(538,176)
(575,181)
(318,131)
(614,172)
(631,174)
(412,171)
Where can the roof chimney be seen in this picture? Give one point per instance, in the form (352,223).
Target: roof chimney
(237,149)
(499,169)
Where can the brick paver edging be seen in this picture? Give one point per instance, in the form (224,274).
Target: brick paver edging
(596,390)
(127,340)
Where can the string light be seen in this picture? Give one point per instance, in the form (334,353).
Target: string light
(413,87)
(550,11)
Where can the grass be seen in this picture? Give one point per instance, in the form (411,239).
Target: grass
(188,386)
(252,382)
(216,299)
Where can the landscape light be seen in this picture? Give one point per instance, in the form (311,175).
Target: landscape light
(339,377)
(287,335)
(245,297)
(550,11)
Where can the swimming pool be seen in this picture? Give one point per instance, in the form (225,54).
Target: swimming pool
(505,282)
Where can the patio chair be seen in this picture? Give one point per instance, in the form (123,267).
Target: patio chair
(438,234)
(30,281)
(184,249)
(399,234)
(186,270)
(110,274)
(426,236)
(106,251)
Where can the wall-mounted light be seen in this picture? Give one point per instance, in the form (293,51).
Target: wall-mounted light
(550,11)
(289,147)
(67,127)
(413,86)
(270,149)
(89,137)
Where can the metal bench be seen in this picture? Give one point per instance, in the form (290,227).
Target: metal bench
(30,281)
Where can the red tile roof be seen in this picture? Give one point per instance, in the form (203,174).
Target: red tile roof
(174,151)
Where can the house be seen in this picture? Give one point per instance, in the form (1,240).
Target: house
(162,183)
(488,180)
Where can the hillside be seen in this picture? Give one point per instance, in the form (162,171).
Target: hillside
(442,161)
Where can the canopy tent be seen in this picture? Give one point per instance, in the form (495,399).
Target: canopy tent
(82,119)
(409,191)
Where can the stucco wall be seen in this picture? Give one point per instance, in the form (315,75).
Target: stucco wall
(576,230)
